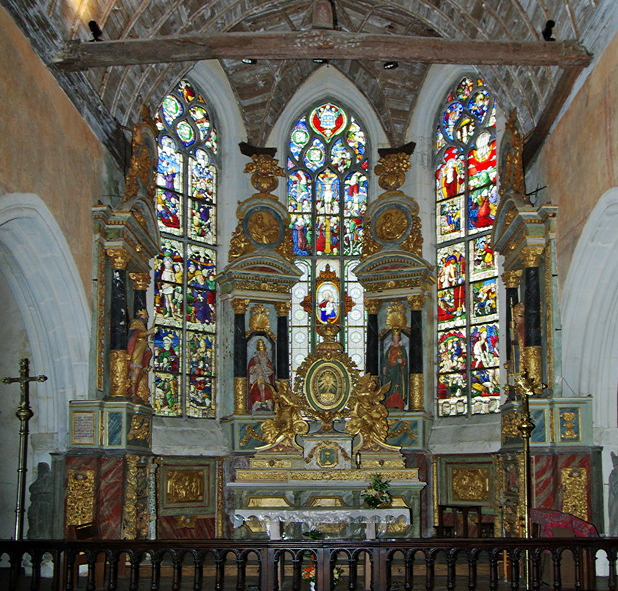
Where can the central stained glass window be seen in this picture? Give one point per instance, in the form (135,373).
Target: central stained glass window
(327,187)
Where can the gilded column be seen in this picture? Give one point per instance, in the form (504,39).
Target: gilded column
(417,387)
(240,356)
(372,307)
(532,312)
(511,283)
(283,346)
(118,357)
(141,281)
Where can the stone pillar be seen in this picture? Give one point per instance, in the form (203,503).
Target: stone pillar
(118,357)
(417,386)
(372,307)
(531,356)
(240,356)
(283,345)
(511,282)
(141,281)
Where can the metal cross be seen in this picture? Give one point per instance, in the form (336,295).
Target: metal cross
(24,414)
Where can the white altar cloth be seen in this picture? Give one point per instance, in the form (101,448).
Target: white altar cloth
(311,517)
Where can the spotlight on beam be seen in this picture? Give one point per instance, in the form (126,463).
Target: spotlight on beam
(95,30)
(320,60)
(391,65)
(547,31)
(248,60)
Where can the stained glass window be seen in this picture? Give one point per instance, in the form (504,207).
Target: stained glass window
(466,202)
(327,186)
(184,287)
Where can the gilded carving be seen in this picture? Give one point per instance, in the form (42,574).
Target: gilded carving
(141,281)
(185,486)
(372,306)
(119,373)
(80,497)
(270,464)
(120,257)
(286,248)
(240,305)
(370,245)
(263,286)
(417,302)
(470,484)
(333,459)
(510,425)
(251,433)
(417,392)
(406,474)
(143,166)
(569,429)
(403,428)
(391,224)
(531,256)
(368,416)
(396,315)
(511,278)
(140,429)
(263,227)
(240,398)
(259,320)
(512,169)
(533,363)
(575,497)
(264,172)
(391,284)
(391,170)
(129,508)
(288,420)
(282,308)
(186,521)
(240,243)
(414,242)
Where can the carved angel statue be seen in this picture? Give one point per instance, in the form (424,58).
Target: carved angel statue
(368,417)
(288,420)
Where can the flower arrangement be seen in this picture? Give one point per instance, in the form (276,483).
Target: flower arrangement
(377,493)
(308,572)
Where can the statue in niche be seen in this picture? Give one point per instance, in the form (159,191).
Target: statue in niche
(139,357)
(261,379)
(395,369)
(40,510)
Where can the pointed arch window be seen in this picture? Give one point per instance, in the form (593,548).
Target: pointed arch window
(466,202)
(327,186)
(184,287)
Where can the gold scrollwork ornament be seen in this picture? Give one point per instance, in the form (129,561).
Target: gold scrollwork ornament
(264,172)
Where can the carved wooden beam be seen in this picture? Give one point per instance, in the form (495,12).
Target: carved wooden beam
(324,44)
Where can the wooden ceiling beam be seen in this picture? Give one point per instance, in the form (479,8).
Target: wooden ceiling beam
(323,44)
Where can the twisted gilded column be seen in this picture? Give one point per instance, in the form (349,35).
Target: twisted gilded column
(239,306)
(118,357)
(417,386)
(511,282)
(283,346)
(531,357)
(372,307)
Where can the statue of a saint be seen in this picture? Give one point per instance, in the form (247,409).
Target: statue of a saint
(395,371)
(139,357)
(261,380)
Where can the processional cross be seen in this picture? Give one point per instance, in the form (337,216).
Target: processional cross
(24,414)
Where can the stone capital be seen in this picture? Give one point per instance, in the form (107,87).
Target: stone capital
(417,301)
(141,281)
(511,278)
(240,305)
(373,306)
(282,308)
(531,256)
(120,257)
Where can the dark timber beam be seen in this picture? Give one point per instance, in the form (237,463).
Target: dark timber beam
(319,44)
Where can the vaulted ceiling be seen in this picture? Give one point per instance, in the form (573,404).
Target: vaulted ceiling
(111,96)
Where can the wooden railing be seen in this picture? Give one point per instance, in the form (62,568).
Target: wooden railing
(381,565)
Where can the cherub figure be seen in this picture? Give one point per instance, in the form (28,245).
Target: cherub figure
(368,417)
(288,420)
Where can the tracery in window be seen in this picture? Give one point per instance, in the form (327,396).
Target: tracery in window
(327,189)
(466,202)
(184,286)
